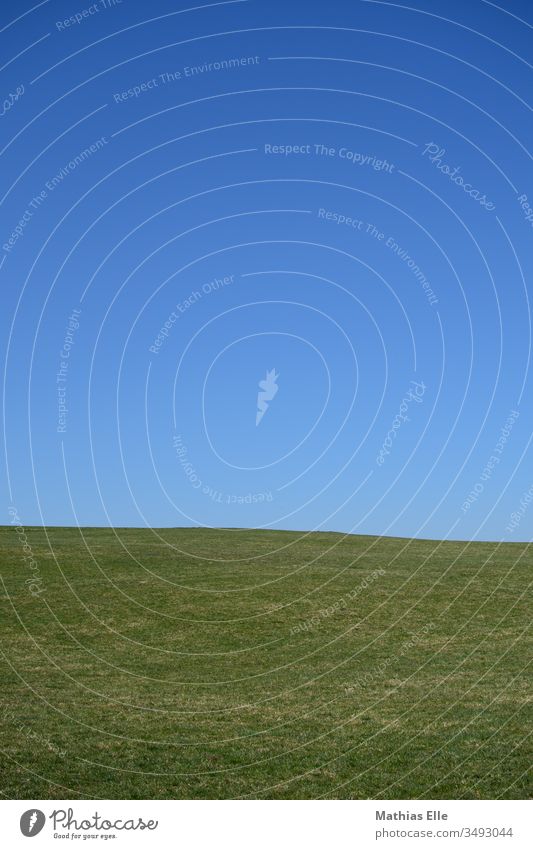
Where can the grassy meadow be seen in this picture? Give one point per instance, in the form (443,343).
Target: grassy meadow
(198,663)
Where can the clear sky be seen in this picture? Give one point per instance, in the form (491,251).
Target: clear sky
(331,199)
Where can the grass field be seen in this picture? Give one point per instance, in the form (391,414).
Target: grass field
(197,663)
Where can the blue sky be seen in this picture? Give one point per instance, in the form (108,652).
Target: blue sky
(192,198)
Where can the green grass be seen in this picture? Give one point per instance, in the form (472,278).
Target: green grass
(199,663)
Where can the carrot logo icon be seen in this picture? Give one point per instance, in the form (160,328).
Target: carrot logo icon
(32,822)
(268,388)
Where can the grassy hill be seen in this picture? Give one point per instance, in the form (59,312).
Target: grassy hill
(196,663)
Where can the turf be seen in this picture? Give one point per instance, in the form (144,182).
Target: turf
(199,663)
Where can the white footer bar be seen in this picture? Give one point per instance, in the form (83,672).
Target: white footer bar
(268,824)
